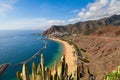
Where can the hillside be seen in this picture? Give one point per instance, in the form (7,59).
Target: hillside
(102,50)
(86,27)
(99,38)
(108,31)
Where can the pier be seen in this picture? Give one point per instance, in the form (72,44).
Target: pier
(35,55)
(3,67)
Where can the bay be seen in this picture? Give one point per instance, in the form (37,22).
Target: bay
(19,45)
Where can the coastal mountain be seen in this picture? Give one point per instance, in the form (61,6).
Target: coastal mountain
(84,28)
(102,50)
(99,38)
(108,31)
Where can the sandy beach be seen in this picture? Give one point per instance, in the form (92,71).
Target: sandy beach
(69,56)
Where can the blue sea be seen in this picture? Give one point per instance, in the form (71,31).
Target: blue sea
(17,46)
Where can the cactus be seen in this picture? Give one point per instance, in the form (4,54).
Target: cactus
(64,69)
(39,72)
(43,73)
(33,71)
(56,76)
(48,74)
(51,77)
(25,73)
(42,67)
(19,76)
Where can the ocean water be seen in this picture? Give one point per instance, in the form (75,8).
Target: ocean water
(17,46)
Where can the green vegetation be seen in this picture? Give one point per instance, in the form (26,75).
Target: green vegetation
(75,46)
(77,50)
(114,75)
(83,50)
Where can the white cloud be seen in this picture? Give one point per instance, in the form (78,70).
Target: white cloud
(74,19)
(35,23)
(98,9)
(6,6)
(95,10)
(56,21)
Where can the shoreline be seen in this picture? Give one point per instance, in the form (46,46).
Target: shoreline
(69,56)
(57,55)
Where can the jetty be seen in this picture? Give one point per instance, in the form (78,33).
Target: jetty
(35,55)
(3,67)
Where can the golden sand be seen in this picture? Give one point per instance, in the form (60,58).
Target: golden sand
(70,57)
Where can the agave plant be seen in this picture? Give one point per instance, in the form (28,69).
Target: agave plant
(114,75)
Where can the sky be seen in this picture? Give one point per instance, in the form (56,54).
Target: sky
(42,14)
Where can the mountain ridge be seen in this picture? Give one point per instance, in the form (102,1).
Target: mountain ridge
(84,28)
